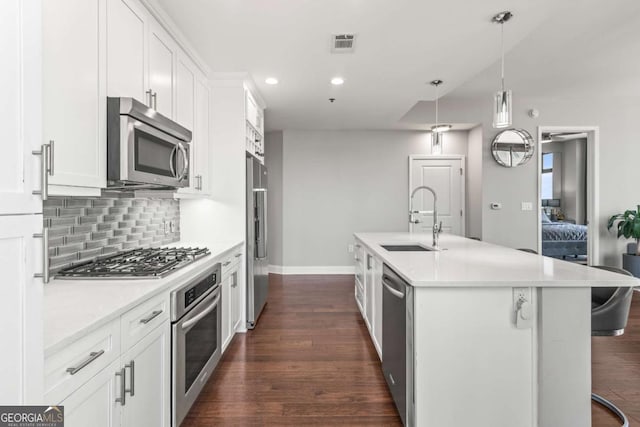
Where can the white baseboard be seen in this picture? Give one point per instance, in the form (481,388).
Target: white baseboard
(315,269)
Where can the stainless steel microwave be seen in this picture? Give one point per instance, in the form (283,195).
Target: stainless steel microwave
(144,148)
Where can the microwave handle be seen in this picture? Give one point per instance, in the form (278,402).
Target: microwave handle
(185,169)
(171,157)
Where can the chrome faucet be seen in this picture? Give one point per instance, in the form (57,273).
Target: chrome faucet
(437,228)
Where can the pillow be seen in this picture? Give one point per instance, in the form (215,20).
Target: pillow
(545,219)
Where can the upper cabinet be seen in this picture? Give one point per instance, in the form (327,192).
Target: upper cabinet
(162,75)
(20,77)
(254,138)
(74,90)
(93,49)
(126,50)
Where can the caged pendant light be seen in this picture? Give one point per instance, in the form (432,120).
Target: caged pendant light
(502,99)
(438,129)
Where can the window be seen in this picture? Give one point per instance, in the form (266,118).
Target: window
(547,176)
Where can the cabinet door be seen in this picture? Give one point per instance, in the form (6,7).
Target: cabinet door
(126,50)
(148,374)
(74,107)
(235,301)
(20,105)
(202,136)
(377,305)
(21,369)
(226,310)
(368,290)
(94,404)
(185,115)
(162,60)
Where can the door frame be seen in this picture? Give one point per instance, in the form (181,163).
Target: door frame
(593,186)
(463,189)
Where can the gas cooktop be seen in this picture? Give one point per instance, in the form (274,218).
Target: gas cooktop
(136,263)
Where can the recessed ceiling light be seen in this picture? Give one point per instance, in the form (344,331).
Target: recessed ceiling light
(337,81)
(271,81)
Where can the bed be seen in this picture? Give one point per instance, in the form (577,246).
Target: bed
(563,239)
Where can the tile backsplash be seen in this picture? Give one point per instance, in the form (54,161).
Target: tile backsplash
(82,229)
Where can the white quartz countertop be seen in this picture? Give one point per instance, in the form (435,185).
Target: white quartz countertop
(75,307)
(465,262)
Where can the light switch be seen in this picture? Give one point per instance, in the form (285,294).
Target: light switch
(527,206)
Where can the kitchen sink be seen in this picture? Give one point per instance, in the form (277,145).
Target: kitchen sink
(407,248)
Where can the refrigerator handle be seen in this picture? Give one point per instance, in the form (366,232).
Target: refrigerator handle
(261,223)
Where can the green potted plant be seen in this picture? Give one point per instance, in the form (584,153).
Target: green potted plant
(629,226)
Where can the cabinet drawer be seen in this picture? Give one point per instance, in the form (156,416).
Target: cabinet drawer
(230,263)
(138,322)
(69,368)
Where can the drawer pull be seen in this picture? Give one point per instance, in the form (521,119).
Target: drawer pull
(150,317)
(131,390)
(92,356)
(226,263)
(238,255)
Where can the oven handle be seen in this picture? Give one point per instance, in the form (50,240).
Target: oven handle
(191,322)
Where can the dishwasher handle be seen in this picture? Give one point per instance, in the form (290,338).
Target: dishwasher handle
(393,291)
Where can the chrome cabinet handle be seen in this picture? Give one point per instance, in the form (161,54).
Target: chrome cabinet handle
(150,317)
(191,322)
(46,169)
(132,366)
(238,255)
(51,156)
(185,168)
(358,246)
(368,262)
(154,98)
(92,356)
(235,280)
(226,263)
(149,92)
(45,255)
(122,400)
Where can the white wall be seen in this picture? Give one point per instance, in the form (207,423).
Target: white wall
(474,183)
(273,162)
(335,183)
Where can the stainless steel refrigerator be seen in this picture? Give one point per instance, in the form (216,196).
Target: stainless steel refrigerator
(257,260)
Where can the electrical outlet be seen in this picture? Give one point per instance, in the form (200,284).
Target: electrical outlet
(523,308)
(527,206)
(172,226)
(350,249)
(165,227)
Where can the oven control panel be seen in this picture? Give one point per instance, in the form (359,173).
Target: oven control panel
(202,287)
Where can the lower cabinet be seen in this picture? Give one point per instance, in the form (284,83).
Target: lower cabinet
(94,404)
(146,372)
(108,379)
(368,292)
(231,298)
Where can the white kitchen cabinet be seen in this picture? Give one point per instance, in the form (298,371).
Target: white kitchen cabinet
(236,296)
(147,367)
(193,112)
(368,292)
(162,63)
(94,404)
(74,90)
(254,116)
(21,368)
(231,312)
(20,106)
(202,136)
(127,74)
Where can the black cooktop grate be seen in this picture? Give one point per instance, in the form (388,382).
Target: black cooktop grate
(136,263)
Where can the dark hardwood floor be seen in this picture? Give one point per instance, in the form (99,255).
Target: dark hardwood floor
(311,361)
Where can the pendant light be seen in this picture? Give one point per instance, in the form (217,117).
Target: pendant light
(438,129)
(502,100)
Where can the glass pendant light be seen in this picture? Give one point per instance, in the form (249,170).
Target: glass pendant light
(438,129)
(502,100)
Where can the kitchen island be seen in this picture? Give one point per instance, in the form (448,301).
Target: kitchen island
(495,336)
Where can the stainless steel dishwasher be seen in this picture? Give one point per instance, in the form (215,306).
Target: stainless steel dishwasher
(397,342)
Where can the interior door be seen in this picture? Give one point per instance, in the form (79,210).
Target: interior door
(445,176)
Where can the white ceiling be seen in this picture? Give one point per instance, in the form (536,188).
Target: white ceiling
(400,46)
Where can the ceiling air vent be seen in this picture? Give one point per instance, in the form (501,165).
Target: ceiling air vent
(342,43)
